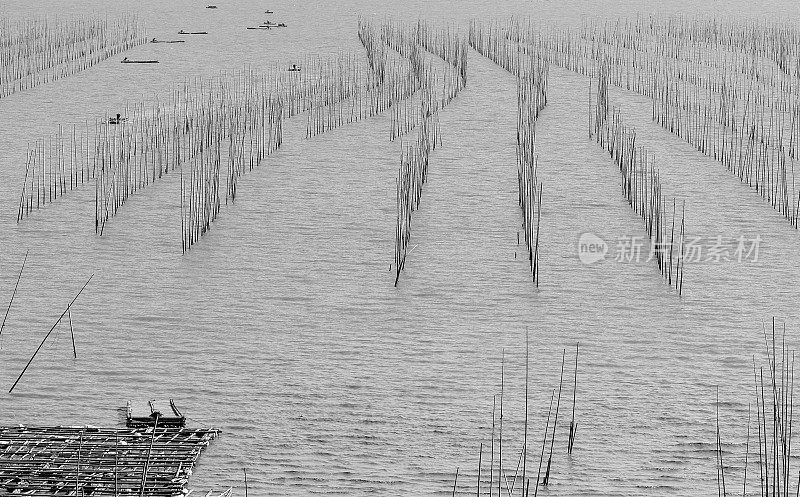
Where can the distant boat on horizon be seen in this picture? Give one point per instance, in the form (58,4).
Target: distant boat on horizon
(129,61)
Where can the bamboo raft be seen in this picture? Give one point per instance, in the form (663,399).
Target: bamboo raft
(64,460)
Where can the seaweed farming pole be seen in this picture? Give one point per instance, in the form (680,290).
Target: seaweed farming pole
(720,467)
(555,422)
(49,332)
(78,465)
(746,451)
(500,444)
(149,453)
(491,461)
(573,427)
(525,436)
(72,334)
(544,443)
(480,460)
(13,293)
(116,464)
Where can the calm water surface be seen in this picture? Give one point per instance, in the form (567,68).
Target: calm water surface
(282,327)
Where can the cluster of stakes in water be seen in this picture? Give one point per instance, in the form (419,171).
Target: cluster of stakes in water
(731,90)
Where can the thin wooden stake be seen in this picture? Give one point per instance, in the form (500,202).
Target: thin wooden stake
(49,332)
(72,333)
(14,293)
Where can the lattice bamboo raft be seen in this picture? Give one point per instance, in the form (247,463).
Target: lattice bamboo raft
(83,461)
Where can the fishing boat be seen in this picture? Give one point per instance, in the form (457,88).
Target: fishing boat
(294,68)
(129,61)
(167,41)
(182,32)
(258,27)
(117,120)
(156,417)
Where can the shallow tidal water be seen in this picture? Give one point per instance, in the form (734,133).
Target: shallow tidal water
(282,327)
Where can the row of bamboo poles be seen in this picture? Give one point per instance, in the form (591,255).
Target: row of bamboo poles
(235,125)
(451,46)
(239,116)
(413,174)
(641,184)
(418,111)
(54,167)
(226,125)
(532,69)
(507,480)
(38,51)
(731,90)
(126,153)
(531,99)
(413,42)
(346,90)
(512,46)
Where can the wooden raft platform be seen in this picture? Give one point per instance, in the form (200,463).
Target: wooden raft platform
(83,461)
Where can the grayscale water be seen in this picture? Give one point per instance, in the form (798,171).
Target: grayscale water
(282,327)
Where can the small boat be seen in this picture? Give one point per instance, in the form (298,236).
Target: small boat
(211,6)
(167,41)
(129,61)
(268,12)
(182,32)
(294,68)
(271,24)
(259,27)
(156,417)
(117,120)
